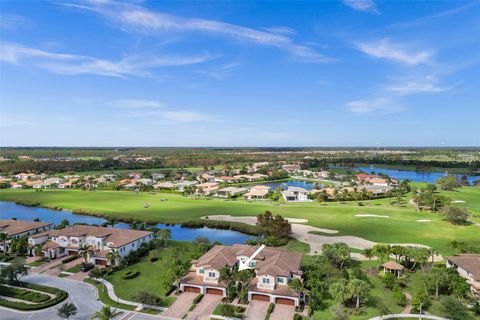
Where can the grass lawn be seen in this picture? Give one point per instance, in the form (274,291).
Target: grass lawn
(152,274)
(74,269)
(400,227)
(295,245)
(103,295)
(37,263)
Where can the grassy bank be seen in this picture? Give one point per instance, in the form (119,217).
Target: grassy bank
(401,226)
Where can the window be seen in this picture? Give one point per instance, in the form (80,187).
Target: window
(211,274)
(201,271)
(252,263)
(280,280)
(266,280)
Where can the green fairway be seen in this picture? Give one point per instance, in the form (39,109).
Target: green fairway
(400,227)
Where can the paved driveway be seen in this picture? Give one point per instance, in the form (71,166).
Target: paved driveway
(283,312)
(181,305)
(205,308)
(257,310)
(83,295)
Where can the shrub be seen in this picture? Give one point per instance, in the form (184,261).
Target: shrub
(60,296)
(153,259)
(399,296)
(390,281)
(130,274)
(296,316)
(69,259)
(270,308)
(24,294)
(198,299)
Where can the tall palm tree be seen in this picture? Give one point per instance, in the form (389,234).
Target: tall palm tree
(85,252)
(112,257)
(67,310)
(359,289)
(107,313)
(166,235)
(339,291)
(3,239)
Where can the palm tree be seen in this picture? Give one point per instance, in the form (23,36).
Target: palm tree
(37,250)
(112,257)
(368,253)
(339,291)
(359,289)
(107,313)
(67,310)
(85,252)
(3,239)
(298,286)
(165,235)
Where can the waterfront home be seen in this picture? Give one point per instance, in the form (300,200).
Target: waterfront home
(295,194)
(68,241)
(207,188)
(230,192)
(52,181)
(274,269)
(257,192)
(468,266)
(225,179)
(15,185)
(15,229)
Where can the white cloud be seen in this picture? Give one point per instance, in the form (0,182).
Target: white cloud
(220,72)
(362,5)
(385,49)
(428,84)
(12,21)
(382,105)
(72,64)
(185,116)
(136,18)
(136,104)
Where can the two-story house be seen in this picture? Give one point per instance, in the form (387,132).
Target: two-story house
(295,194)
(274,268)
(467,266)
(18,228)
(68,241)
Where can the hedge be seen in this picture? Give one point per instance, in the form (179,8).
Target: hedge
(270,308)
(198,299)
(24,294)
(60,296)
(130,274)
(69,259)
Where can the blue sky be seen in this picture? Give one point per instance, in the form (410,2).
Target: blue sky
(232,73)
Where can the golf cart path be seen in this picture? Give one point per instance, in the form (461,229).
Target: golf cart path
(303,233)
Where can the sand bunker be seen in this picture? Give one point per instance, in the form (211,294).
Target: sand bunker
(371,216)
(458,201)
(423,220)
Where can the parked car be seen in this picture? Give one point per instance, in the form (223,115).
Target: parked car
(85,267)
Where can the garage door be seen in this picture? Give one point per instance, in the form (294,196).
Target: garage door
(214,291)
(100,262)
(191,289)
(290,302)
(260,297)
(72,252)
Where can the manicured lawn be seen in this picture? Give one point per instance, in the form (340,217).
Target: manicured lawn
(400,227)
(295,245)
(103,295)
(74,269)
(152,274)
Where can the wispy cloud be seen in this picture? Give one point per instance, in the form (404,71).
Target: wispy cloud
(428,84)
(362,5)
(137,104)
(72,64)
(152,109)
(136,18)
(386,49)
(12,21)
(382,105)
(220,72)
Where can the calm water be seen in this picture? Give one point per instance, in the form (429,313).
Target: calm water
(417,176)
(290,183)
(9,210)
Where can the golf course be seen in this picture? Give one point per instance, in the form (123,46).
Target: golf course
(375,220)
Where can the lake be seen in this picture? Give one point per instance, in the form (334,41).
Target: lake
(417,176)
(10,210)
(290,183)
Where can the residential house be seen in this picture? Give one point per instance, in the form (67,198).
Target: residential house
(18,228)
(145,181)
(295,194)
(230,192)
(207,188)
(274,268)
(468,266)
(257,165)
(15,185)
(68,241)
(225,179)
(157,176)
(52,181)
(291,168)
(180,186)
(257,192)
(206,177)
(164,185)
(134,175)
(25,176)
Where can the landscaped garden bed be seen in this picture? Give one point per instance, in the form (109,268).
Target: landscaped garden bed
(28,297)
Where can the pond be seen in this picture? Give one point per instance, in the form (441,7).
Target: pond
(290,183)
(10,210)
(416,176)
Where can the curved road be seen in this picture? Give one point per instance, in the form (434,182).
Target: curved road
(83,295)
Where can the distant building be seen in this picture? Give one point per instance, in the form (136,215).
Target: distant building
(295,194)
(18,228)
(468,266)
(257,192)
(230,192)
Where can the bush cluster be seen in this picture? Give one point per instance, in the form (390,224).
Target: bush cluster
(69,259)
(60,296)
(130,274)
